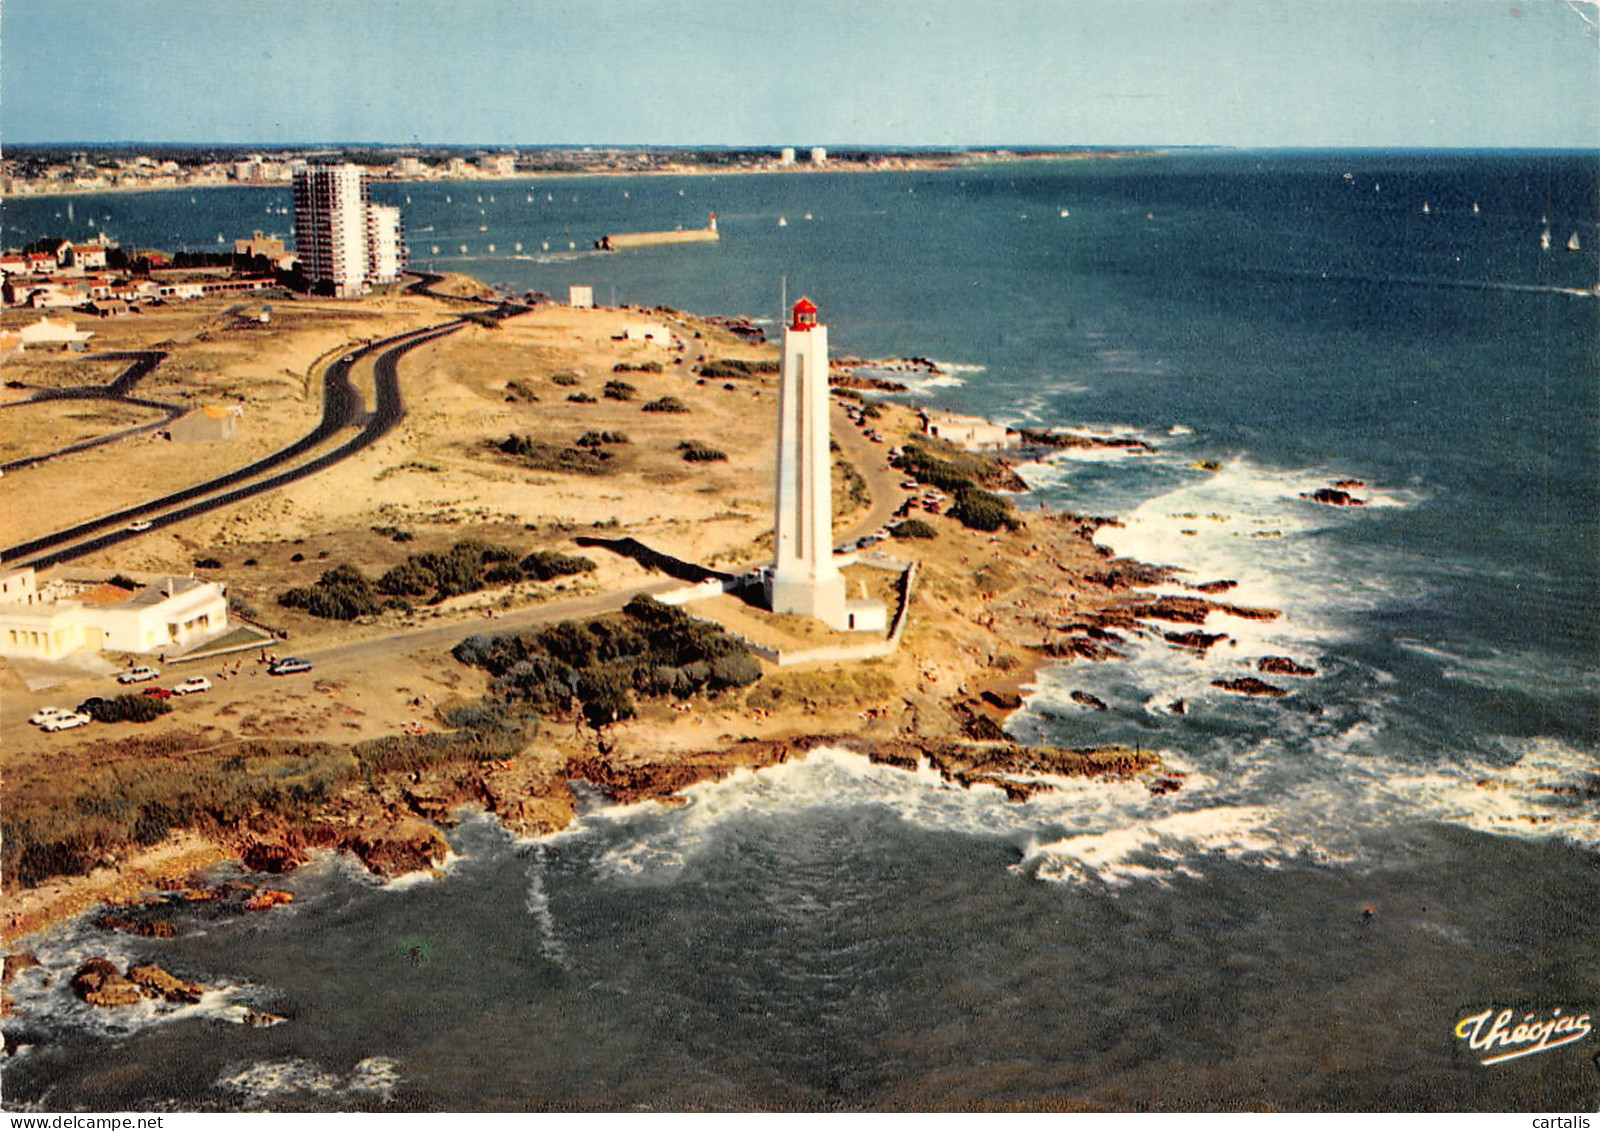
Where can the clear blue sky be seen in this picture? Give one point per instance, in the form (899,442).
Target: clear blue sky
(1425,73)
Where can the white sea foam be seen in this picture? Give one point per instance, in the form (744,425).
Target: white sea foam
(271,1079)
(1157,849)
(536,901)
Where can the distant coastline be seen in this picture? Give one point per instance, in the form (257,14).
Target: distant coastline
(29,187)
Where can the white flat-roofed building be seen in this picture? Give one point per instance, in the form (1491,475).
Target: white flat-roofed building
(580,297)
(819,155)
(786,155)
(498,164)
(973,433)
(330,221)
(63,617)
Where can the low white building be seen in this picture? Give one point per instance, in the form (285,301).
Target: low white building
(652,332)
(52,331)
(580,297)
(973,433)
(819,155)
(63,616)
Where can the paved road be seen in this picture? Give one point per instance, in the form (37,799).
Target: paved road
(341,408)
(144,363)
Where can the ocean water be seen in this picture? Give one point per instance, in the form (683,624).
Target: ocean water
(1411,837)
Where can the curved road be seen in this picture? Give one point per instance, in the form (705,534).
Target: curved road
(144,363)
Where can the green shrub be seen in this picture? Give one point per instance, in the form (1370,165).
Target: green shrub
(342,593)
(619,391)
(207,563)
(551,457)
(697,452)
(665,404)
(600,439)
(135,708)
(544,565)
(566,380)
(582,398)
(637,367)
(981,510)
(913,528)
(520,391)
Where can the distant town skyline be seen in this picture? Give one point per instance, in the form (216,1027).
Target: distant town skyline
(1244,73)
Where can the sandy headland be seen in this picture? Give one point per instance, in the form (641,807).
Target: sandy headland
(554,435)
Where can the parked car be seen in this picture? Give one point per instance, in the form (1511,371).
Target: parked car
(45,714)
(289,665)
(142,524)
(191,685)
(139,675)
(65,722)
(158,692)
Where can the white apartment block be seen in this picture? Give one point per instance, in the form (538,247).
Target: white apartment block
(345,242)
(386,249)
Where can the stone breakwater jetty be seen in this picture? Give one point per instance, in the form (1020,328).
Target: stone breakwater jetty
(618,241)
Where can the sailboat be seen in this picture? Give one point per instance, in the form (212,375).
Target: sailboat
(491,249)
(782,222)
(1065,213)
(1572,243)
(1425,208)
(1544,239)
(1474,207)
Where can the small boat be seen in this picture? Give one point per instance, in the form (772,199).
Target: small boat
(434,250)
(547,196)
(220,239)
(408,200)
(1572,242)
(545,246)
(530,198)
(517,246)
(483,228)
(1474,207)
(1544,239)
(571,246)
(447,198)
(463,249)
(808,215)
(491,249)
(782,223)
(1065,213)
(1425,208)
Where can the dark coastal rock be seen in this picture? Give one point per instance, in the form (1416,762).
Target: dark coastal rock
(1282,665)
(154,982)
(1003,700)
(1246,613)
(980,727)
(273,853)
(848,380)
(1349,484)
(1178,707)
(266,899)
(406,845)
(17,963)
(144,928)
(1167,783)
(902,756)
(1249,685)
(1184,610)
(1087,700)
(1014,790)
(1333,497)
(1073,440)
(1215,586)
(100,983)
(1200,641)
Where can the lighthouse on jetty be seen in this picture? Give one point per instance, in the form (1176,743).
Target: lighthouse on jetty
(804,580)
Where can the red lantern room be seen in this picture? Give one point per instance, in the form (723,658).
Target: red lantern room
(804,316)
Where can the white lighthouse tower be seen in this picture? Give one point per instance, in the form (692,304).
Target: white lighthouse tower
(804,579)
